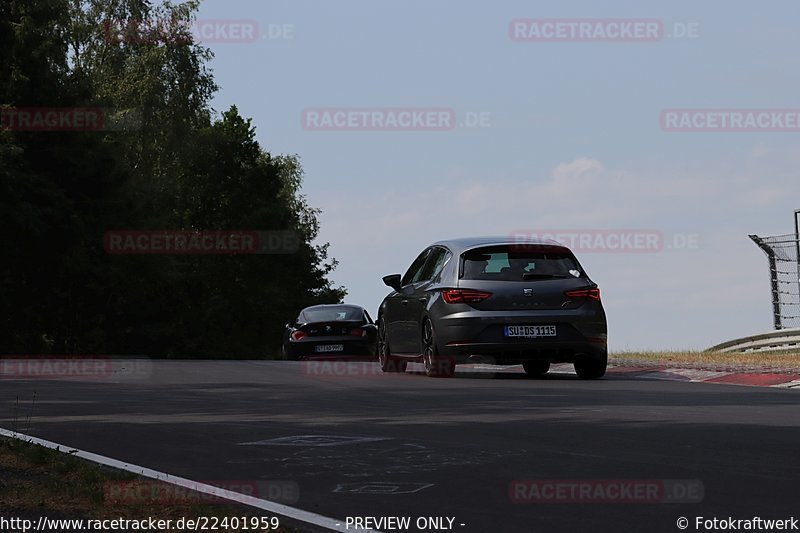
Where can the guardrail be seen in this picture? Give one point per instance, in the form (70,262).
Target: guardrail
(780,339)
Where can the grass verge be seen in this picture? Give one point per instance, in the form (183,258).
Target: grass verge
(37,481)
(774,362)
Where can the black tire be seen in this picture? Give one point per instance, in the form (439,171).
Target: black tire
(591,368)
(385,359)
(374,352)
(287,353)
(435,366)
(536,369)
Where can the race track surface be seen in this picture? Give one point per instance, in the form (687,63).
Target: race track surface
(493,451)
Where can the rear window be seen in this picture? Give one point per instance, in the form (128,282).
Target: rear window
(332,314)
(517,263)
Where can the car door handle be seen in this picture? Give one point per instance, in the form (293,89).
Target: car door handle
(424,299)
(404,302)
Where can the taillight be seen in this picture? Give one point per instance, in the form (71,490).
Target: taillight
(297,334)
(464,296)
(592,294)
(358,332)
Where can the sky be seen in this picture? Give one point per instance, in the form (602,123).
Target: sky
(538,128)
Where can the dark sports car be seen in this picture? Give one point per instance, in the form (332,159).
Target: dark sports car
(493,300)
(339,330)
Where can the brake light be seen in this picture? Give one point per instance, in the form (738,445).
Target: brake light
(297,335)
(592,294)
(464,296)
(358,332)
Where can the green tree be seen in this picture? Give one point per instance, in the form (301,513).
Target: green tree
(176,167)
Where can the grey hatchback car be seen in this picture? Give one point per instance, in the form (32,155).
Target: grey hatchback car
(497,300)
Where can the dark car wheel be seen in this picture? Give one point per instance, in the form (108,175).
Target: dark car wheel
(287,353)
(591,368)
(536,369)
(435,366)
(387,362)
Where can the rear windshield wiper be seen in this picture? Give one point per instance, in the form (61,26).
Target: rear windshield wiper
(532,275)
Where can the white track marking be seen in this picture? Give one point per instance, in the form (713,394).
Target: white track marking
(277,508)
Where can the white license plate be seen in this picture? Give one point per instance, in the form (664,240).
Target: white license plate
(530,331)
(329,348)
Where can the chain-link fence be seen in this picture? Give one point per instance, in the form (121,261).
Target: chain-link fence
(784,272)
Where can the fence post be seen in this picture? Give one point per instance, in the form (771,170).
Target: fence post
(773,275)
(797,248)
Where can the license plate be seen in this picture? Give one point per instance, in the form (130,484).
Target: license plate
(329,348)
(530,331)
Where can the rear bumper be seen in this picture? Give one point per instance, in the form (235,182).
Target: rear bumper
(503,354)
(580,333)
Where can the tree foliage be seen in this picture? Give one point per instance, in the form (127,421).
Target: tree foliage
(169,162)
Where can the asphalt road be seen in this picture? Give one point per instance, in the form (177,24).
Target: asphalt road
(482,448)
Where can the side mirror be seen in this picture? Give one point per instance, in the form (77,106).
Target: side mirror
(393,281)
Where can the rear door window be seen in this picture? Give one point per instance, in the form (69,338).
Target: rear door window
(432,265)
(415,269)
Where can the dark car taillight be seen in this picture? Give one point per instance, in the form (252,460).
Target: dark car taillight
(297,335)
(590,293)
(464,296)
(358,332)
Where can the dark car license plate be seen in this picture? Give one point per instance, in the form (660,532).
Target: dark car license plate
(529,331)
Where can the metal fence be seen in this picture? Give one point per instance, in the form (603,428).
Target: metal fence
(784,272)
